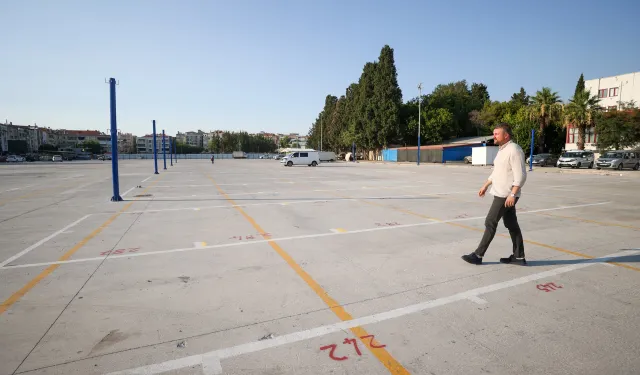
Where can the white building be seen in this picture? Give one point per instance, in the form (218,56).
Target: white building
(614,92)
(145,144)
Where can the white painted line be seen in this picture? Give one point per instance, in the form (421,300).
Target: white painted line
(35,245)
(199,245)
(252,347)
(319,235)
(128,191)
(477,300)
(329,200)
(211,365)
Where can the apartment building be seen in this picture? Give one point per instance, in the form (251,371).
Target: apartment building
(144,144)
(614,93)
(12,134)
(191,138)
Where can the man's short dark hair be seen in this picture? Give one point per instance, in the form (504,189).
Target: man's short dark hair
(506,127)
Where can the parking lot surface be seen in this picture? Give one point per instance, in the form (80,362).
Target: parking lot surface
(249,267)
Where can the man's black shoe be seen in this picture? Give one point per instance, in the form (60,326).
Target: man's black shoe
(513,260)
(472,258)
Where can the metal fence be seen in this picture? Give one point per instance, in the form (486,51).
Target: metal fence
(191,156)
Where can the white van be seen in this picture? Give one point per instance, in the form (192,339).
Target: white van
(310,158)
(328,156)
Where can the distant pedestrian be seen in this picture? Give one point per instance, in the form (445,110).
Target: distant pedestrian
(508,176)
(212,159)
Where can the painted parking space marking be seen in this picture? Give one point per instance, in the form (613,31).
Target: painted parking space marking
(15,297)
(256,346)
(384,357)
(318,235)
(42,241)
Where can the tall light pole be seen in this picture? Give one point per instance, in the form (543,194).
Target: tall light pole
(321,121)
(419,100)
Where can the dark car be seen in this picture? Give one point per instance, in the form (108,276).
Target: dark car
(543,160)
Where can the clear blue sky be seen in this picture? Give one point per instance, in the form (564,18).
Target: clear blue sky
(268,64)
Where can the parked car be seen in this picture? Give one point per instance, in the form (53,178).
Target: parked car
(619,160)
(543,160)
(468,159)
(57,158)
(310,158)
(14,159)
(576,159)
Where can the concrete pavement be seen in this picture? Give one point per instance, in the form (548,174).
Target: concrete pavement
(249,267)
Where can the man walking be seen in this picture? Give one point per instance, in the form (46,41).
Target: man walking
(506,181)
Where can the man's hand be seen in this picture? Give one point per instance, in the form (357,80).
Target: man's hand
(482,191)
(510,202)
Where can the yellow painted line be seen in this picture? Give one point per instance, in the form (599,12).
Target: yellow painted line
(341,230)
(47,271)
(580,255)
(381,354)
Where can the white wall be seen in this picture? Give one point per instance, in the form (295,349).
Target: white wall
(624,87)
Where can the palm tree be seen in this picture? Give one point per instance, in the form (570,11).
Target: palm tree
(580,112)
(546,107)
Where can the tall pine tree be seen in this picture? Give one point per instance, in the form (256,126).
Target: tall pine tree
(388,100)
(580,84)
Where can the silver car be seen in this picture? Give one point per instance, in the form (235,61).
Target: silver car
(576,159)
(619,160)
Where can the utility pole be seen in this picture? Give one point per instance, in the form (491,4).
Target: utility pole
(419,100)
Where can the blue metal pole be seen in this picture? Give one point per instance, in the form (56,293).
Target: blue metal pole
(155,151)
(114,143)
(175,150)
(164,152)
(531,152)
(419,101)
(171,150)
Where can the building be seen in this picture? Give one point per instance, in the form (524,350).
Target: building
(127,143)
(195,139)
(615,93)
(145,144)
(27,136)
(453,150)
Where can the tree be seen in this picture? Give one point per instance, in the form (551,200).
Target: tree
(521,98)
(545,108)
(618,129)
(91,146)
(579,85)
(214,145)
(284,142)
(387,100)
(479,94)
(47,147)
(521,125)
(580,112)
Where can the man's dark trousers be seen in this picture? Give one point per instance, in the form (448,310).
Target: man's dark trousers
(508,214)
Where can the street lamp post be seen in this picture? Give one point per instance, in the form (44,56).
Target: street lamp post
(419,100)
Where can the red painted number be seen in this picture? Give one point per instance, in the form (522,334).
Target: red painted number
(387,224)
(548,287)
(371,344)
(353,342)
(120,251)
(333,349)
(249,237)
